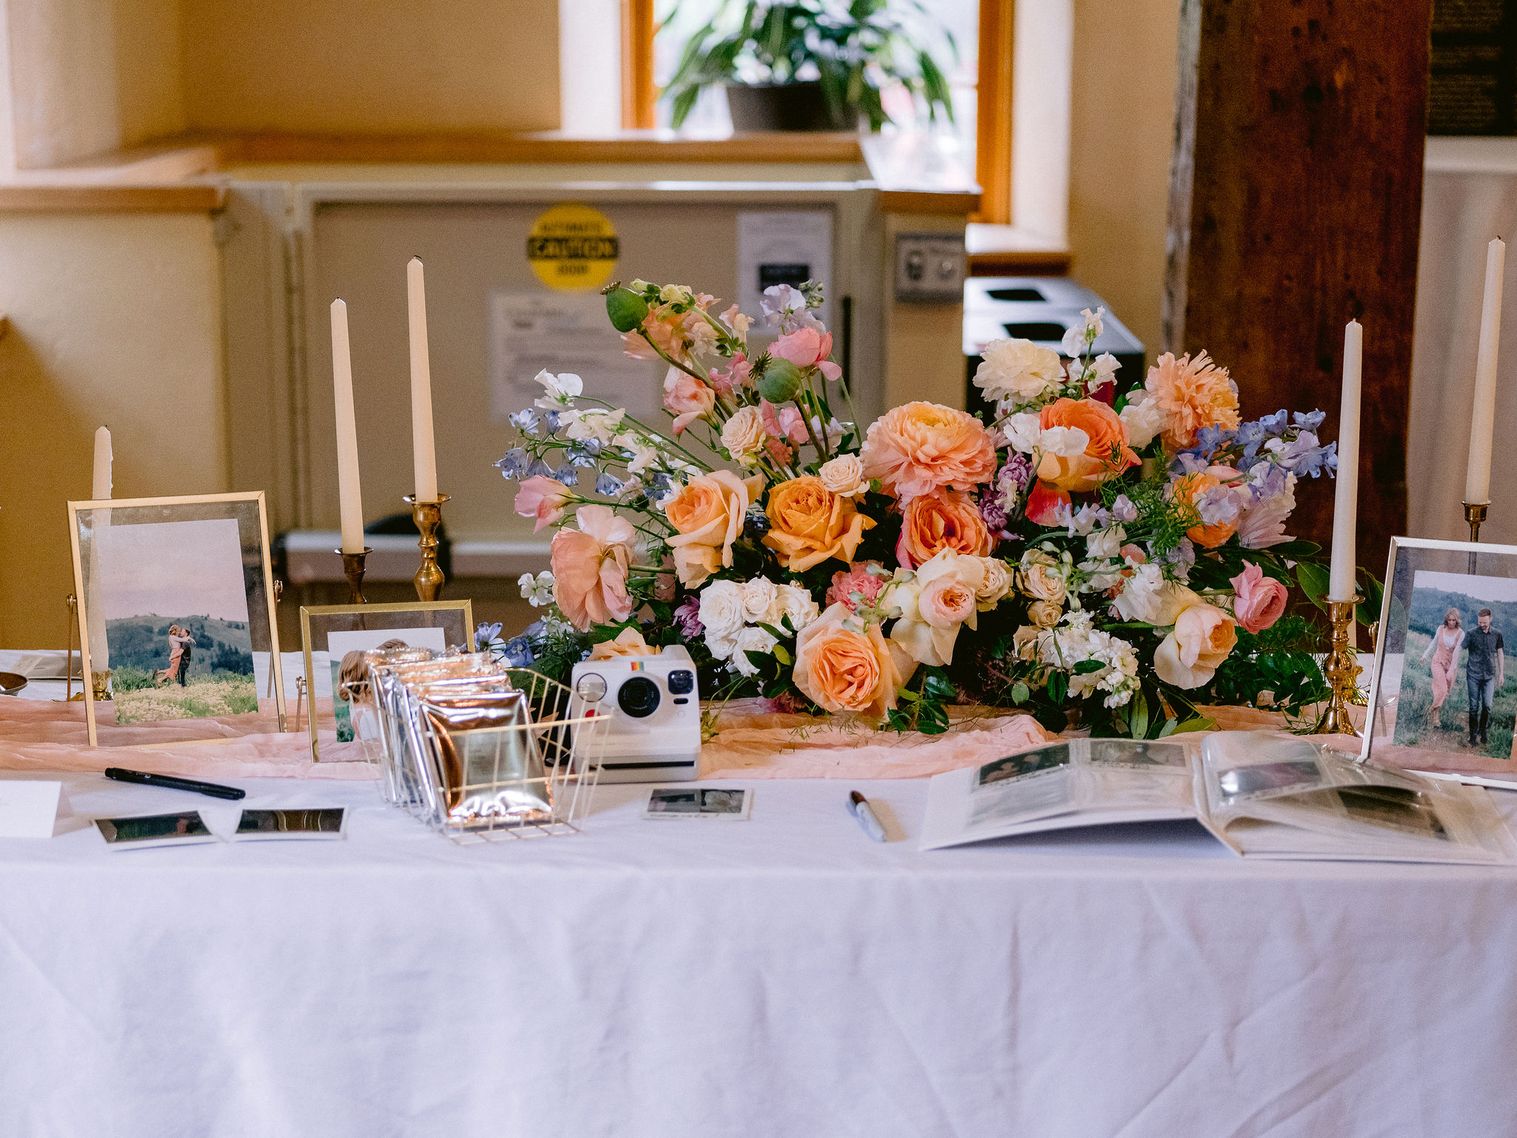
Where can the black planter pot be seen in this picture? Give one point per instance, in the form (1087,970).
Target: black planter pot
(780,106)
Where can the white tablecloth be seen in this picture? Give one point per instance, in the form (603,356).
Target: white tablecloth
(778,977)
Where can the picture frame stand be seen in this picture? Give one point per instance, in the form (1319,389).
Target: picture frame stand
(1341,669)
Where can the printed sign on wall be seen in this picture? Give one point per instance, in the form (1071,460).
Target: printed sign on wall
(573,248)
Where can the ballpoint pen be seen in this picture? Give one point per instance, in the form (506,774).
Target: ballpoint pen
(859,805)
(146,778)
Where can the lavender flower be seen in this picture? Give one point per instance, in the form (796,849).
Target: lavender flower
(994,514)
(1012,479)
(1123,509)
(552,420)
(539,468)
(580,458)
(687,621)
(487,634)
(567,474)
(526,421)
(518,652)
(608,485)
(514,464)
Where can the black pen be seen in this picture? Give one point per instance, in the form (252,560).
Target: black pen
(214,789)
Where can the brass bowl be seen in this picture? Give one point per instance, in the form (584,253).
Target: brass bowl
(11,683)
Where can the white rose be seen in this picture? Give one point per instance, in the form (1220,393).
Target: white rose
(721,609)
(843,475)
(995,586)
(1143,420)
(797,605)
(720,647)
(759,597)
(1019,370)
(743,435)
(750,639)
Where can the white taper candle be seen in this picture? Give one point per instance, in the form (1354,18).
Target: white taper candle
(100,482)
(423,448)
(1346,498)
(1477,477)
(349,494)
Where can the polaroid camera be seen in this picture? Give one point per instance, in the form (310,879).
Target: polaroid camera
(655,712)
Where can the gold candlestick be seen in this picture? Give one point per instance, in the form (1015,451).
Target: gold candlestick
(1474,516)
(428,517)
(353,570)
(1341,669)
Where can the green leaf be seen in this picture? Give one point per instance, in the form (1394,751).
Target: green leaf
(1314,580)
(1020,692)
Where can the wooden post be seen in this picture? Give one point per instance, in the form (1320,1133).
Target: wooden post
(1295,205)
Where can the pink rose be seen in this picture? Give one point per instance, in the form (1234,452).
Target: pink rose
(542,498)
(590,567)
(807,347)
(783,422)
(686,398)
(1258,601)
(857,578)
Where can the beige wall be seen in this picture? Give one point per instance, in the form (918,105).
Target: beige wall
(1122,133)
(88,76)
(114,320)
(358,65)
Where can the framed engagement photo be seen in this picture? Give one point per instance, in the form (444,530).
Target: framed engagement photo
(335,640)
(176,619)
(1442,698)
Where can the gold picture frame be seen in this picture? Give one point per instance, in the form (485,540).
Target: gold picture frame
(442,624)
(210,552)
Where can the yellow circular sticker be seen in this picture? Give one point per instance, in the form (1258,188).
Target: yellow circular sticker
(573,248)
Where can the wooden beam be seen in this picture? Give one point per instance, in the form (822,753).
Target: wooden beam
(1295,206)
(993,97)
(41,197)
(639,91)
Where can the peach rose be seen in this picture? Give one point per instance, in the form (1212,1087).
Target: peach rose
(809,524)
(628,642)
(1190,394)
(590,568)
(935,602)
(1189,489)
(844,670)
(1201,639)
(1258,601)
(686,398)
(917,448)
(707,513)
(942,520)
(543,498)
(1044,614)
(1106,454)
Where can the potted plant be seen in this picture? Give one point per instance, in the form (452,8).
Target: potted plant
(810,64)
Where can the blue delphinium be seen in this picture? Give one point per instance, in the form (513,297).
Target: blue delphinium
(514,464)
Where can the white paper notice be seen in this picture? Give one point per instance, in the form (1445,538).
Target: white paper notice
(782,248)
(28,807)
(565,332)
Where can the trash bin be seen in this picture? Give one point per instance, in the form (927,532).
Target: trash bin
(1040,309)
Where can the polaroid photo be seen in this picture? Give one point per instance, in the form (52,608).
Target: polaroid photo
(145,831)
(729,803)
(324,823)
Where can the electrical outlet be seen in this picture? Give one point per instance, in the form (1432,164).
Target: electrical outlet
(929,266)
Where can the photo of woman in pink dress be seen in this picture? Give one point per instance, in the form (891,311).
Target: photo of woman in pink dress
(1443,650)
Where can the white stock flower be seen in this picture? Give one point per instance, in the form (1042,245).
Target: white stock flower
(1103,370)
(1148,598)
(602,426)
(1143,419)
(743,435)
(721,610)
(1022,431)
(750,639)
(536,591)
(643,458)
(759,598)
(844,475)
(1018,370)
(1077,340)
(558,390)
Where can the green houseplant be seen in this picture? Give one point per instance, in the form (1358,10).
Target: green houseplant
(810,64)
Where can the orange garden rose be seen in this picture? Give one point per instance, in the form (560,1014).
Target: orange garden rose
(843,670)
(1191,394)
(1190,488)
(1106,454)
(943,520)
(809,524)
(707,513)
(917,448)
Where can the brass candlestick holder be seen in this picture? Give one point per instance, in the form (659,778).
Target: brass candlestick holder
(1474,516)
(1341,669)
(428,517)
(353,570)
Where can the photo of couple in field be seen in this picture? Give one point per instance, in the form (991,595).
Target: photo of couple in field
(173,609)
(1455,692)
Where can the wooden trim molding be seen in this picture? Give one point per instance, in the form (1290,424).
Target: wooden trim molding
(639,91)
(993,98)
(67,197)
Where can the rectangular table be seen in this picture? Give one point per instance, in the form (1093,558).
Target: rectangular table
(777,977)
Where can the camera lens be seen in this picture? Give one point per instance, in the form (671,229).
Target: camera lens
(638,697)
(681,682)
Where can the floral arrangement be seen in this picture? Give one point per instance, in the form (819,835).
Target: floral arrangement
(1100,556)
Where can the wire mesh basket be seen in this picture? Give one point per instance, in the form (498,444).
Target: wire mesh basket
(487,753)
